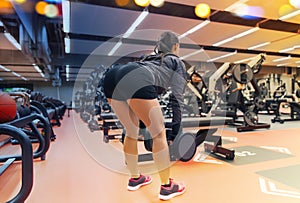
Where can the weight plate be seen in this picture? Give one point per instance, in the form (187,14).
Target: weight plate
(185,147)
(148,141)
(259,102)
(251,118)
(93,125)
(242,73)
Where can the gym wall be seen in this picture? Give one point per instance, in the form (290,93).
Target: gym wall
(64,92)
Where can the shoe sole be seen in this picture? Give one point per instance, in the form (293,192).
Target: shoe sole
(131,188)
(168,197)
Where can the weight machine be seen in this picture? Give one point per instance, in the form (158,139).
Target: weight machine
(291,100)
(198,87)
(236,76)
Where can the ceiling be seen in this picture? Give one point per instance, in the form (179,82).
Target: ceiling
(97,26)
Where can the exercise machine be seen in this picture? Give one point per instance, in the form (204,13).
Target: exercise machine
(198,88)
(26,158)
(280,97)
(235,76)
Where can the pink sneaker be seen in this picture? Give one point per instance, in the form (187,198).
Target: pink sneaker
(174,190)
(134,184)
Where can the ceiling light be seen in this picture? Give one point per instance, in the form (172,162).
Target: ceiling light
(290,49)
(136,23)
(38,70)
(157,3)
(283,64)
(16,74)
(10,38)
(23,78)
(142,3)
(259,45)
(114,49)
(286,50)
(51,11)
(295,3)
(67,72)
(67,44)
(244,60)
(66,15)
(12,72)
(122,3)
(194,29)
(192,54)
(282,59)
(40,7)
(223,56)
(235,5)
(202,10)
(242,34)
(290,15)
(6,69)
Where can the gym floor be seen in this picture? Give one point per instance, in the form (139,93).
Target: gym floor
(80,167)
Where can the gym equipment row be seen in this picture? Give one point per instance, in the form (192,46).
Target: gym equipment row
(25,121)
(239,73)
(55,109)
(280,98)
(90,102)
(220,96)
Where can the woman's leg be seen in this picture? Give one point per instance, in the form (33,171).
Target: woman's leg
(149,111)
(131,124)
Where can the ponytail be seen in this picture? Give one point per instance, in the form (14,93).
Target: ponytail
(163,47)
(166,42)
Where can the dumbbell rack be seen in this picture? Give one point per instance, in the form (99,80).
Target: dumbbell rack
(109,122)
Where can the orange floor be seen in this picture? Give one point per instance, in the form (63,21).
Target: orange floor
(79,167)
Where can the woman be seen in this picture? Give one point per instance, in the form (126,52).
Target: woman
(132,90)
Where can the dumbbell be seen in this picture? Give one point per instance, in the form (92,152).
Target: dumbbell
(93,125)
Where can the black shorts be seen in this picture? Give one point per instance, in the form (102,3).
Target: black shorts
(123,82)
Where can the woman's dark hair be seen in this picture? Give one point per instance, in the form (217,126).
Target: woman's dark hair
(163,47)
(166,42)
